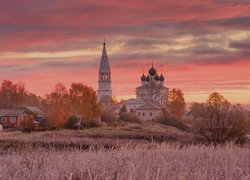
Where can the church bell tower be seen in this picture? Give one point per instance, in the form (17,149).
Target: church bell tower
(104,83)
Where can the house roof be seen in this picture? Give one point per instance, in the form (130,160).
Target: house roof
(133,101)
(149,106)
(34,109)
(11,112)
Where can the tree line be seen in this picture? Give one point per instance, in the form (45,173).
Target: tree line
(58,106)
(216,121)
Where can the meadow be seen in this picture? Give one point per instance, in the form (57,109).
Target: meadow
(134,151)
(129,161)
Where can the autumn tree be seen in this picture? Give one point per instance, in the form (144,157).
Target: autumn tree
(12,94)
(217,121)
(84,101)
(176,103)
(32,99)
(58,107)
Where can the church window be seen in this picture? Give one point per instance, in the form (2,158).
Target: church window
(143,114)
(150,113)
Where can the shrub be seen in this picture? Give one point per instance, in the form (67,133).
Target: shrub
(130,117)
(170,120)
(71,123)
(76,123)
(108,115)
(123,110)
(91,123)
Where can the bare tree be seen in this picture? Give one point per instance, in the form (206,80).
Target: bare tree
(149,92)
(217,121)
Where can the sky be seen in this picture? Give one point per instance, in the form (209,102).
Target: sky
(199,46)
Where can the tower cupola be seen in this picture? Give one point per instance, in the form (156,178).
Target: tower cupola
(162,78)
(143,77)
(157,78)
(152,71)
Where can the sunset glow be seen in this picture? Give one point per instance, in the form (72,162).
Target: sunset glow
(200,46)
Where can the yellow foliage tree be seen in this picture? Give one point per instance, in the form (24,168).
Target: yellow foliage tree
(176,103)
(58,107)
(84,101)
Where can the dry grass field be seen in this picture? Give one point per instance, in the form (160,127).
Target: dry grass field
(142,161)
(133,151)
(105,136)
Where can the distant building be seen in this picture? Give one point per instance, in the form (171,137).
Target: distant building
(151,96)
(132,104)
(12,118)
(149,111)
(104,83)
(152,88)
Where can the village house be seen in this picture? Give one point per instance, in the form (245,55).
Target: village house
(16,118)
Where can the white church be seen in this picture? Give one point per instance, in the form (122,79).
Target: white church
(151,95)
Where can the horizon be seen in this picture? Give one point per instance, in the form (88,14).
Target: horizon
(44,43)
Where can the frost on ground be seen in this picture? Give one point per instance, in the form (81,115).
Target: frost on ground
(143,161)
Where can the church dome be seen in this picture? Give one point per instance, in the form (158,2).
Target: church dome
(157,78)
(162,78)
(148,79)
(143,78)
(152,71)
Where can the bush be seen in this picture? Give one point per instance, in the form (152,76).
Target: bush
(91,123)
(172,121)
(71,123)
(130,117)
(75,123)
(108,115)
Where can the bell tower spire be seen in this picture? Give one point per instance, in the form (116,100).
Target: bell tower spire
(104,83)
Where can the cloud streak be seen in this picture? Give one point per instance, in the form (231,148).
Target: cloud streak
(43,42)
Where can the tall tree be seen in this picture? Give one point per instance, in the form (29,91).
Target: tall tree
(84,101)
(176,103)
(58,107)
(12,94)
(32,99)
